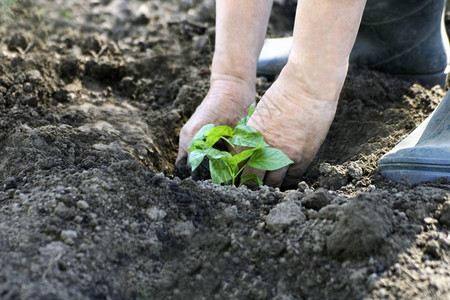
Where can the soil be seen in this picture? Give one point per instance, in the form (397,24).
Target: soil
(92,97)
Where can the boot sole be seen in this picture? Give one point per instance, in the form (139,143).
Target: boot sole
(408,173)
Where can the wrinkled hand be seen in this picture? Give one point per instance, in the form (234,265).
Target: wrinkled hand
(296,120)
(293,116)
(227,101)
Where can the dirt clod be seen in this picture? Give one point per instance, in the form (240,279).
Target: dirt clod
(332,177)
(362,228)
(316,200)
(283,215)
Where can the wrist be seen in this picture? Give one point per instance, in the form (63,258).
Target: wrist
(232,87)
(318,80)
(232,66)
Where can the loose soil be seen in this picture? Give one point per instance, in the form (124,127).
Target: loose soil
(92,97)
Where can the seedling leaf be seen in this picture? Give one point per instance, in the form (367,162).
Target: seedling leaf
(269,159)
(251,177)
(247,136)
(214,134)
(245,119)
(219,171)
(225,167)
(195,158)
(214,153)
(241,156)
(199,137)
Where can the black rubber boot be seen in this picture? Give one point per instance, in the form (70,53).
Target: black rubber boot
(402,37)
(424,155)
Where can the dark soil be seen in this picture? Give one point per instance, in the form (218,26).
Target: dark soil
(92,97)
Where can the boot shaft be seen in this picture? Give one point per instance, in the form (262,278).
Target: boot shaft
(403,37)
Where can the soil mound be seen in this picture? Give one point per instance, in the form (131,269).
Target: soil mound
(92,97)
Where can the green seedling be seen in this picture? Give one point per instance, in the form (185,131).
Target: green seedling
(225,167)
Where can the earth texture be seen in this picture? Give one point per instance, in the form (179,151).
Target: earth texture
(92,97)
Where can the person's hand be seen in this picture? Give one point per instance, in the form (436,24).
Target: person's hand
(227,101)
(294,116)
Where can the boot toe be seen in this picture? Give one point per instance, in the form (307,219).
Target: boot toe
(424,155)
(416,164)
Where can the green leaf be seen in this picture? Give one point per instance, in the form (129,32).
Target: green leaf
(197,145)
(269,159)
(214,134)
(245,129)
(251,177)
(219,171)
(240,157)
(223,166)
(247,136)
(195,158)
(251,110)
(245,119)
(214,154)
(199,137)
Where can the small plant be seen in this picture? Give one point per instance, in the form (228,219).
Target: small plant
(225,167)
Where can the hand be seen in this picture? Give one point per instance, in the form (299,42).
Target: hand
(227,101)
(294,117)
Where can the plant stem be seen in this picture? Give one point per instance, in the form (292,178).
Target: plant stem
(242,169)
(233,177)
(239,172)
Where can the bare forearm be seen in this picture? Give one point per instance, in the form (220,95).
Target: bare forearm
(324,34)
(240,30)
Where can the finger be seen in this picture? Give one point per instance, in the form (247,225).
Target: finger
(294,175)
(183,145)
(258,172)
(182,154)
(182,170)
(275,178)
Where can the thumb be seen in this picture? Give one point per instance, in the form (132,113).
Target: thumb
(183,155)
